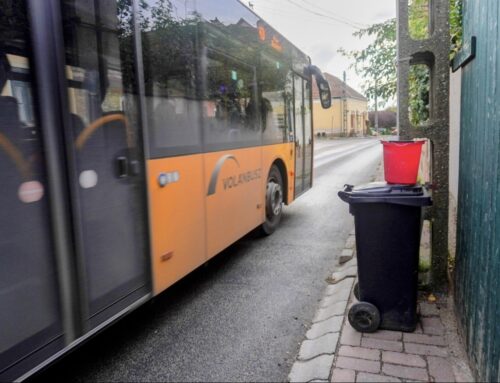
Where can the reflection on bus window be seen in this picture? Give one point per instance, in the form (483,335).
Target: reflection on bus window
(225,13)
(29,317)
(104,137)
(172,108)
(276,82)
(21,90)
(230,108)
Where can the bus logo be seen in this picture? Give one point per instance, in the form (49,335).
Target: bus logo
(215,174)
(231,181)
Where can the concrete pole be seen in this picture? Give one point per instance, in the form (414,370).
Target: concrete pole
(434,52)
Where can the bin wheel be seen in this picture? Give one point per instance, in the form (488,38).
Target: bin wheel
(356,290)
(364,317)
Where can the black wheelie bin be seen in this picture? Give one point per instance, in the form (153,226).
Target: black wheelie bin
(388,225)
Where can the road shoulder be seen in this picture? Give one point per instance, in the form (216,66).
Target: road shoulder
(334,352)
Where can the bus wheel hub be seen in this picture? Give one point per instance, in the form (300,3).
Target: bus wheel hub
(274,199)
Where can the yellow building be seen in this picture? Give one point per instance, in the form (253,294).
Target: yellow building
(348,115)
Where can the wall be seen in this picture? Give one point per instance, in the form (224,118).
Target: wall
(329,121)
(359,110)
(477,282)
(455,93)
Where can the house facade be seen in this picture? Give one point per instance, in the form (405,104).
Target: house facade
(348,115)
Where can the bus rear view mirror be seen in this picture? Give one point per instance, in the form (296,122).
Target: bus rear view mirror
(325,95)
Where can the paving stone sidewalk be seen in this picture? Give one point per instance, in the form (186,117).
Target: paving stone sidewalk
(334,352)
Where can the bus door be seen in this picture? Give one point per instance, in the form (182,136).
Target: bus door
(30,315)
(85,198)
(303,135)
(106,161)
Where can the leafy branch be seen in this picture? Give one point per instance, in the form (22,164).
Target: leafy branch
(376,63)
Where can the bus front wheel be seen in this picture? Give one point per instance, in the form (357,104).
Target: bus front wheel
(274,201)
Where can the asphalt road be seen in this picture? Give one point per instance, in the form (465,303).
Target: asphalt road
(242,316)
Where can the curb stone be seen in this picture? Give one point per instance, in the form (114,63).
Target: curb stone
(351,242)
(312,348)
(314,369)
(348,269)
(335,289)
(317,351)
(333,309)
(349,272)
(342,295)
(334,324)
(347,265)
(347,255)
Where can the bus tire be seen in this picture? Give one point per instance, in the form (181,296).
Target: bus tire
(274,201)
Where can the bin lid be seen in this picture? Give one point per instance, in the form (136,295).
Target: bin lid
(382,192)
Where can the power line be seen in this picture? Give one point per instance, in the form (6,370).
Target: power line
(336,18)
(324,16)
(329,13)
(281,12)
(325,19)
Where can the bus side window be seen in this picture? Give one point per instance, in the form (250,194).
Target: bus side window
(104,140)
(29,303)
(172,106)
(231,115)
(276,86)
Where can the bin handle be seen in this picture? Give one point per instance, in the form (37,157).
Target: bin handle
(344,196)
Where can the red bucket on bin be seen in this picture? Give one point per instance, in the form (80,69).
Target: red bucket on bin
(401,160)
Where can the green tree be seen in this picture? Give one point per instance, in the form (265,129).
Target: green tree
(376,63)
(418,93)
(418,19)
(455,26)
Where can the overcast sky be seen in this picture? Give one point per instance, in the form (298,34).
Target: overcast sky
(321,27)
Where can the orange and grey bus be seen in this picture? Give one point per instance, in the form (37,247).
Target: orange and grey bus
(138,139)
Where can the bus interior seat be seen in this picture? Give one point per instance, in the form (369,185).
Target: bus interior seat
(163,121)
